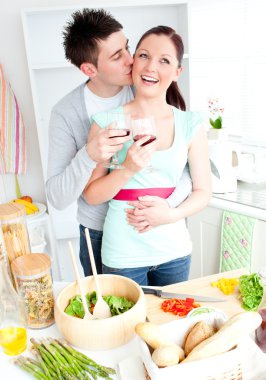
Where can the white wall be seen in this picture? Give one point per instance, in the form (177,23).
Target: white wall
(14,62)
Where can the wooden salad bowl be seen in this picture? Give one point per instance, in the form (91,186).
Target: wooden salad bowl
(101,334)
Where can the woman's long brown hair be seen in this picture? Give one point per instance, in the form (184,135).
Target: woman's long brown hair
(173,94)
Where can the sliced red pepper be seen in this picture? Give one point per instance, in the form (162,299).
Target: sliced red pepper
(179,307)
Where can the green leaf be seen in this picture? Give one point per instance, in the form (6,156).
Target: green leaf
(217,123)
(251,290)
(118,305)
(69,310)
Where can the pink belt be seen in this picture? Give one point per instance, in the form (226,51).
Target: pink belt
(134,194)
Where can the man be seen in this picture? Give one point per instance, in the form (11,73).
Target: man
(93,42)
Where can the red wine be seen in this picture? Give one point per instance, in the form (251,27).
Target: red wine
(127,131)
(151,139)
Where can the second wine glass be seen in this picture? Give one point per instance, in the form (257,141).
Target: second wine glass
(117,120)
(144,127)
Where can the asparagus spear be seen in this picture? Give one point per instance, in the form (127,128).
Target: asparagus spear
(46,355)
(31,368)
(85,359)
(58,360)
(79,370)
(42,365)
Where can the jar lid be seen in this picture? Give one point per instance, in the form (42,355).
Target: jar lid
(11,211)
(31,264)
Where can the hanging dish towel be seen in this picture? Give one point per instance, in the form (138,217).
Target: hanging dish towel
(236,241)
(12,130)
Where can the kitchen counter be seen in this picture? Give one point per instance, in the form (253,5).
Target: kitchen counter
(249,199)
(155,314)
(198,286)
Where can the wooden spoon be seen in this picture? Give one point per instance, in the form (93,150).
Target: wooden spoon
(87,314)
(101,309)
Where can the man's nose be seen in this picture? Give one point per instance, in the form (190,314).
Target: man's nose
(129,58)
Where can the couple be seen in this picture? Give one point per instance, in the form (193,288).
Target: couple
(145,239)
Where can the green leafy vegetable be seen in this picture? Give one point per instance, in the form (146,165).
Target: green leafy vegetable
(251,290)
(118,305)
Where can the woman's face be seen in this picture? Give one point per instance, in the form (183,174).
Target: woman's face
(155,65)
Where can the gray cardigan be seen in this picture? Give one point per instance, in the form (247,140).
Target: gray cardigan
(69,166)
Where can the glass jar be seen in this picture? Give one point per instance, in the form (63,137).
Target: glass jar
(14,231)
(33,279)
(260,333)
(13,334)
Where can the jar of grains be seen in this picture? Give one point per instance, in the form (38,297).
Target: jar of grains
(33,279)
(14,238)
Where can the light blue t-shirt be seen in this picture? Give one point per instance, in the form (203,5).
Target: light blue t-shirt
(122,246)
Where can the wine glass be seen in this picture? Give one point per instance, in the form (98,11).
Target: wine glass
(144,127)
(117,120)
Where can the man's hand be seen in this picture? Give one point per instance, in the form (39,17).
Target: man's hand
(148,212)
(105,143)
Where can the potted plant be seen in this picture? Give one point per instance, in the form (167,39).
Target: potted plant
(216,131)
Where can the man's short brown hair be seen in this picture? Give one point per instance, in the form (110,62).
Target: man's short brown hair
(83,33)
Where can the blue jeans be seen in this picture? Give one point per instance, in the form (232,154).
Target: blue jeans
(96,242)
(159,275)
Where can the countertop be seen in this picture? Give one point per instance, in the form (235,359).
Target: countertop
(155,314)
(249,199)
(198,286)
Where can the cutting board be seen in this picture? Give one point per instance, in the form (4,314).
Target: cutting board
(201,286)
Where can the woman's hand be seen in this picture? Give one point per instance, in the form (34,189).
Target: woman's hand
(138,156)
(148,212)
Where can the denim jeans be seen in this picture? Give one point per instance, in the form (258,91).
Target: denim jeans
(159,275)
(96,242)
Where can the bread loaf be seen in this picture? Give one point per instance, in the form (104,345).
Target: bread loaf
(199,332)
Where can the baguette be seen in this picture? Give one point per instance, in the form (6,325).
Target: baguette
(227,337)
(199,332)
(152,335)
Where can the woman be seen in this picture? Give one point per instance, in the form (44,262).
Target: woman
(162,255)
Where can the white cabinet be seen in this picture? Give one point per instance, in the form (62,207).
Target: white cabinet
(42,240)
(52,76)
(205,231)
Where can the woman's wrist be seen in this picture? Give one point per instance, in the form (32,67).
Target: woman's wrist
(174,214)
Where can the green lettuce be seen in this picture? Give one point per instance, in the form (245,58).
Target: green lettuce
(118,305)
(251,290)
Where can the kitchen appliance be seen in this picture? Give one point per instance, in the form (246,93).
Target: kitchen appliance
(223,160)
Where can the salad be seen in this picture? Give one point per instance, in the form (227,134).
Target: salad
(118,305)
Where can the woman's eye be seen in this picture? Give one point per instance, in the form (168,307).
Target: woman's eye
(143,55)
(164,60)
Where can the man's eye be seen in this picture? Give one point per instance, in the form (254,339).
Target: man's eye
(164,60)
(117,57)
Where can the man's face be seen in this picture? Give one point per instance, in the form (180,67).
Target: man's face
(115,61)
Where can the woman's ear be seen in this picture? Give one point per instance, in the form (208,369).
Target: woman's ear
(88,69)
(178,72)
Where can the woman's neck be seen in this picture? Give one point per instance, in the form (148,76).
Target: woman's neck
(142,107)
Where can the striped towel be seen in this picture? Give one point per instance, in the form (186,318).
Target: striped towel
(12,130)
